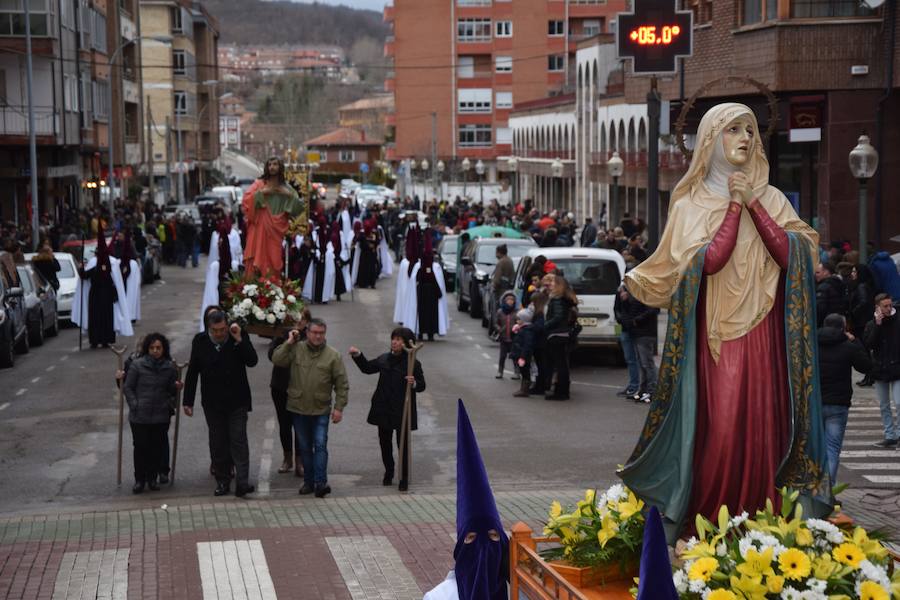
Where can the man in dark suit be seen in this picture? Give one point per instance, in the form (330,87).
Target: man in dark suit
(219,358)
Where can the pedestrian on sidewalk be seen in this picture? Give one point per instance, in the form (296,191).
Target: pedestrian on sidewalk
(639,321)
(562,314)
(882,337)
(389,397)
(839,353)
(150,387)
(625,339)
(278,385)
(506,317)
(219,359)
(317,372)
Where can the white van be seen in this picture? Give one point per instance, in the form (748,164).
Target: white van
(594,274)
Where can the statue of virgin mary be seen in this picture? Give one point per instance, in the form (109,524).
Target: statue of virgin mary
(737,412)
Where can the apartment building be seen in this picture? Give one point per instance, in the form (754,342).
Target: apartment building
(72,42)
(469,61)
(181,104)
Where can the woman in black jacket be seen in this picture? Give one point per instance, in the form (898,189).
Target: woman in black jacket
(150,387)
(387,401)
(562,311)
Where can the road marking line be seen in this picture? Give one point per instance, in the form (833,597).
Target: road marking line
(857,409)
(21,391)
(874,432)
(869,454)
(50,368)
(600,385)
(478,346)
(470,338)
(35,380)
(872,466)
(265,461)
(92,574)
(486,355)
(234,569)
(372,568)
(4,406)
(64,358)
(883,478)
(859,442)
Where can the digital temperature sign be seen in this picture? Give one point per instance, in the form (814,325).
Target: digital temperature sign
(654,36)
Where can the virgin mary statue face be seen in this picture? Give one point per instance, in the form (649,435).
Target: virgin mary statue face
(738,139)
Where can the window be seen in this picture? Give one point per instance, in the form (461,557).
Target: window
(473,30)
(556,28)
(100,89)
(179,62)
(465,68)
(504,135)
(71,91)
(591,27)
(504,100)
(67,14)
(86,99)
(181,104)
(473,2)
(98,31)
(474,135)
(347,156)
(556,63)
(474,100)
(503,64)
(177,20)
(757,11)
(84,28)
(12,17)
(503,29)
(702,9)
(829,8)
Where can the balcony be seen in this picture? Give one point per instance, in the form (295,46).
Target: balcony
(131,91)
(389,45)
(390,81)
(14,120)
(132,152)
(389,13)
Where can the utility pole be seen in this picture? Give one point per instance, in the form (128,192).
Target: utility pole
(653,111)
(150,150)
(168,159)
(434,170)
(179,191)
(32,136)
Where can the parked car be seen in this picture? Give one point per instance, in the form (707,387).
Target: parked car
(209,202)
(68,279)
(231,194)
(74,247)
(190,209)
(446,257)
(348,186)
(40,305)
(595,275)
(477,263)
(13,324)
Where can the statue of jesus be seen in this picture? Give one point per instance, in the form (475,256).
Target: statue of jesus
(269,205)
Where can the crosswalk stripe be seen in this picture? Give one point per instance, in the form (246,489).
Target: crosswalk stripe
(869,454)
(873,432)
(235,569)
(882,478)
(92,574)
(895,466)
(371,568)
(860,442)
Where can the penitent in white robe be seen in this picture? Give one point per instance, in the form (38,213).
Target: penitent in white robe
(400,295)
(411,301)
(121,315)
(210,288)
(445,590)
(328,288)
(133,291)
(387,263)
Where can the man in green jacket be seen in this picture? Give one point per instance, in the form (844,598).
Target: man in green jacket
(317,370)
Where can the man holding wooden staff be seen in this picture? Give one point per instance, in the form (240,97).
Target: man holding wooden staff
(393,408)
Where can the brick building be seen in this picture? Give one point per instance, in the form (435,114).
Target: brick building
(369,114)
(469,61)
(344,150)
(180,83)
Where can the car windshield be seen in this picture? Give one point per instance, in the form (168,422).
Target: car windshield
(65,270)
(590,276)
(487,255)
(448,248)
(25,278)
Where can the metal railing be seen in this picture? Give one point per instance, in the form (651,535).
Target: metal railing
(14,120)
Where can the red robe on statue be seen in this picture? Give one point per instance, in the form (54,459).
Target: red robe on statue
(268,219)
(743,404)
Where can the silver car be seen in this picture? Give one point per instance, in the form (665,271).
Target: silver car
(68,278)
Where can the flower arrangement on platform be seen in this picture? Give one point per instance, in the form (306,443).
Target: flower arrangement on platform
(600,530)
(268,301)
(780,555)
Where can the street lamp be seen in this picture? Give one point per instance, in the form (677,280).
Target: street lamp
(440,181)
(479,169)
(556,168)
(412,166)
(111,178)
(466,165)
(424,167)
(615,166)
(513,166)
(863,164)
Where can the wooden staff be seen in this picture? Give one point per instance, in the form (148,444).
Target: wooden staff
(180,367)
(119,351)
(406,422)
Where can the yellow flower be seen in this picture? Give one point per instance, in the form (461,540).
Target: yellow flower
(775,583)
(568,534)
(849,554)
(721,595)
(873,549)
(824,567)
(608,530)
(555,509)
(869,590)
(750,588)
(590,496)
(700,550)
(630,506)
(703,568)
(794,564)
(757,564)
(804,537)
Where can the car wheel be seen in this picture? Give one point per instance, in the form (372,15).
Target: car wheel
(461,305)
(37,333)
(53,330)
(23,346)
(8,352)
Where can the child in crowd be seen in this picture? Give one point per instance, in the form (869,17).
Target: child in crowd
(506,316)
(523,348)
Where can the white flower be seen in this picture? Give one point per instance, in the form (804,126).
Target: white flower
(616,491)
(813,595)
(738,520)
(693,541)
(744,545)
(698,586)
(875,573)
(258,313)
(681,582)
(789,593)
(816,585)
(721,549)
(246,303)
(291,299)
(250,290)
(270,319)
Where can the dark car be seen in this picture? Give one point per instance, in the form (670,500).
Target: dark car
(40,305)
(13,327)
(446,256)
(477,263)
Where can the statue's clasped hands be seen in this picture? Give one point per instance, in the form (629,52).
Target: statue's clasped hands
(740,189)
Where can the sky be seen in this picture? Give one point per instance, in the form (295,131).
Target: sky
(377,5)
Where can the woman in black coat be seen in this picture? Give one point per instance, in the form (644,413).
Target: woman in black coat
(562,311)
(387,401)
